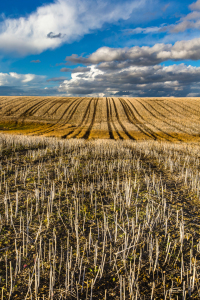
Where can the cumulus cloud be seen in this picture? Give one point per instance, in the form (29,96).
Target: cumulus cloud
(62,21)
(175,80)
(141,56)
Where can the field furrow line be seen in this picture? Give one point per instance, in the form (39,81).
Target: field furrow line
(34,108)
(178,125)
(173,109)
(116,131)
(87,134)
(163,117)
(39,109)
(121,124)
(133,119)
(55,125)
(108,120)
(168,136)
(9,103)
(73,106)
(49,108)
(195,105)
(189,104)
(18,106)
(84,120)
(182,120)
(185,108)
(62,103)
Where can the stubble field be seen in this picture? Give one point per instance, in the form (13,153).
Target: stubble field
(170,119)
(99,219)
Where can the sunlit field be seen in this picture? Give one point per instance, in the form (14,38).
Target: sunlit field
(167,119)
(101,219)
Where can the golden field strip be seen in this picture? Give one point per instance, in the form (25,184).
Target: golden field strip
(170,119)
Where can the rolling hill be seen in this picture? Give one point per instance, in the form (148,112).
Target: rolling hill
(172,119)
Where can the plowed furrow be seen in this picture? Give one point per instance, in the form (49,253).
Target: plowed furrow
(108,120)
(6,100)
(87,134)
(121,124)
(133,120)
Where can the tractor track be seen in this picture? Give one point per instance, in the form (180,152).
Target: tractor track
(168,117)
(84,118)
(108,120)
(121,124)
(161,130)
(87,134)
(133,120)
(113,123)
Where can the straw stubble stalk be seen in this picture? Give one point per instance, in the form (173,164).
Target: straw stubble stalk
(122,225)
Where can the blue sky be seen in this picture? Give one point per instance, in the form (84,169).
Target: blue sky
(100,48)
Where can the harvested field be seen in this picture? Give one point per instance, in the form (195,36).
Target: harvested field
(170,119)
(99,219)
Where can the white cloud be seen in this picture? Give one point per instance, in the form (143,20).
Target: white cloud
(195,5)
(60,22)
(19,80)
(190,21)
(147,30)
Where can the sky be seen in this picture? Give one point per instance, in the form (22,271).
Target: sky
(99,48)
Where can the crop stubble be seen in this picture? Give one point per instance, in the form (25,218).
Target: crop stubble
(95,219)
